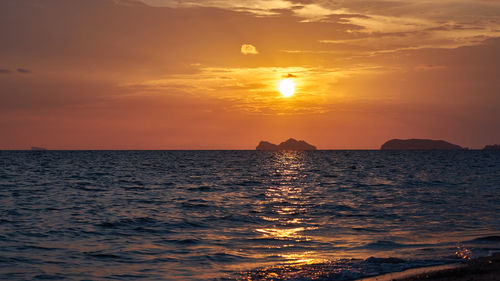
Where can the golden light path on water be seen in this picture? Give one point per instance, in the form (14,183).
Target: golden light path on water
(288,209)
(291,220)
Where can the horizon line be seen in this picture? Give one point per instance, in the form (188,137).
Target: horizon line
(323,149)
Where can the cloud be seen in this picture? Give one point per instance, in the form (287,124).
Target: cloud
(387,24)
(314,12)
(257,7)
(248,49)
(19,70)
(429,67)
(289,75)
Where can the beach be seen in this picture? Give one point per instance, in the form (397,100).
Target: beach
(479,269)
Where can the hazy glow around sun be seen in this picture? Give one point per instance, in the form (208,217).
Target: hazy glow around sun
(287,87)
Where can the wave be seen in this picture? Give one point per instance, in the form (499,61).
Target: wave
(142,221)
(387,245)
(339,270)
(491,238)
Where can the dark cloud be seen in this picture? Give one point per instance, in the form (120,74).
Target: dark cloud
(19,70)
(429,67)
(289,75)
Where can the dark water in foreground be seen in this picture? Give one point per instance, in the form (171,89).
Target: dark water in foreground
(183,215)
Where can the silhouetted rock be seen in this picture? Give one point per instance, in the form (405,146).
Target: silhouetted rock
(37,148)
(293,144)
(492,147)
(264,145)
(419,144)
(290,144)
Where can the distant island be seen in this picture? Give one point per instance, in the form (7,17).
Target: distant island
(419,144)
(290,144)
(37,148)
(492,147)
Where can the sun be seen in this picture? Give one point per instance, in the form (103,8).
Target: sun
(287,87)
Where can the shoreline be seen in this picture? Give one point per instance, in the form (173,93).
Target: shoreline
(479,269)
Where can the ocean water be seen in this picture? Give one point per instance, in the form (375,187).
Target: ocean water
(243,215)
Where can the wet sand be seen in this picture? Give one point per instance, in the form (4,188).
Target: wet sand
(481,269)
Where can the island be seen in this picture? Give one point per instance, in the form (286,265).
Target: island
(492,147)
(290,144)
(36,148)
(419,144)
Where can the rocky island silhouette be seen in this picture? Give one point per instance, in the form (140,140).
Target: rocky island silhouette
(290,144)
(492,147)
(419,144)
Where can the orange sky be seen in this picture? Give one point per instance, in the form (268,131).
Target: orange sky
(169,74)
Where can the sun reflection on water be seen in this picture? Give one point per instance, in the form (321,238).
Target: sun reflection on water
(288,209)
(276,233)
(308,257)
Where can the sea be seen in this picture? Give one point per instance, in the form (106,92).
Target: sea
(243,215)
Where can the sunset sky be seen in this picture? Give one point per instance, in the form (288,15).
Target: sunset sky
(173,74)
